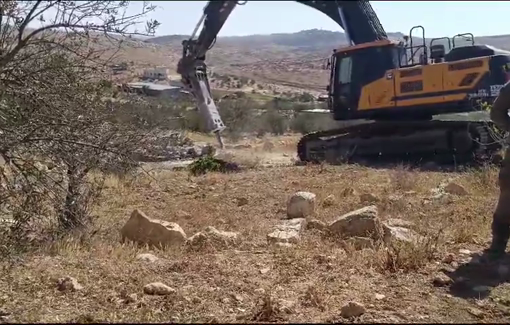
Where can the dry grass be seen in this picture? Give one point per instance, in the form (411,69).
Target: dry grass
(306,283)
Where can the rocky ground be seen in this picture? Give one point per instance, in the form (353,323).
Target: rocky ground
(249,152)
(171,146)
(281,244)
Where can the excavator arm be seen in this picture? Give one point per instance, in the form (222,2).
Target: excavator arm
(193,69)
(356,18)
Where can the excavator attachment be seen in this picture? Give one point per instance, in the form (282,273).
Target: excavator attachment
(193,69)
(194,78)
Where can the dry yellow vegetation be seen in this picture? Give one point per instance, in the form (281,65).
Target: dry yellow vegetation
(431,280)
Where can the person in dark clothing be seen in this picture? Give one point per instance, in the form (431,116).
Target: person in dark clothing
(501,217)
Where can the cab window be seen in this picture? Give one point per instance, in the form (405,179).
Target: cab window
(345,70)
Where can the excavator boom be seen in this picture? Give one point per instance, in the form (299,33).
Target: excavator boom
(357,18)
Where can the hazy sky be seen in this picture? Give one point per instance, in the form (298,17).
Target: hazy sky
(440,18)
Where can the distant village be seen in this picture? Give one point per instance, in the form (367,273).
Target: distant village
(160,82)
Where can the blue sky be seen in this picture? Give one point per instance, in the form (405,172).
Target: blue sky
(440,18)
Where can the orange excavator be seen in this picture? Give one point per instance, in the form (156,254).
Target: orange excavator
(398,87)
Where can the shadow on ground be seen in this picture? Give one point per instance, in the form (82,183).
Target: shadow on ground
(421,166)
(477,278)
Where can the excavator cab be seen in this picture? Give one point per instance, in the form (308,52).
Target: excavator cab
(378,80)
(360,68)
(354,67)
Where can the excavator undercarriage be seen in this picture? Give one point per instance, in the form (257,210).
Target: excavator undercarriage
(441,142)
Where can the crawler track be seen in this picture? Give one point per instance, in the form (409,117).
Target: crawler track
(442,142)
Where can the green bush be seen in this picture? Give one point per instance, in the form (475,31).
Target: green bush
(152,112)
(272,121)
(306,97)
(304,124)
(238,115)
(209,164)
(192,121)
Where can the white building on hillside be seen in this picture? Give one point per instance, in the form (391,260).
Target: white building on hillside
(157,73)
(152,89)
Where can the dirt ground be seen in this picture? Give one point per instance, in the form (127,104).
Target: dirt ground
(249,152)
(255,281)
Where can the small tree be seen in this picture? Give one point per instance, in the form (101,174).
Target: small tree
(272,121)
(238,115)
(306,97)
(55,125)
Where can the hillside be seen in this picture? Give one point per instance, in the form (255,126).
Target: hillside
(293,59)
(313,40)
(267,64)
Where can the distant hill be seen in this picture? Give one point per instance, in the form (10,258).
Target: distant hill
(311,40)
(289,60)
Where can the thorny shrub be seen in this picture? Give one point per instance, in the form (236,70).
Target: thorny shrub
(403,179)
(406,257)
